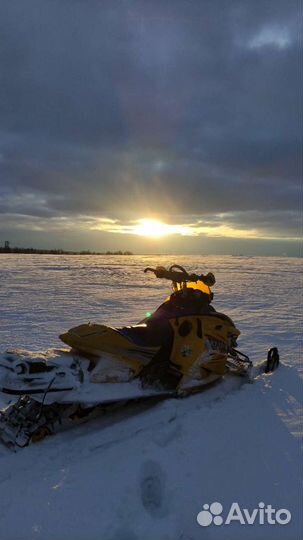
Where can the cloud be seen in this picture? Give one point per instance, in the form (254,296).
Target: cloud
(271,37)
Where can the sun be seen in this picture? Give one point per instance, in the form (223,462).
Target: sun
(151,228)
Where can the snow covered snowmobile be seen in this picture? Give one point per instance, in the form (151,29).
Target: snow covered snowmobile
(184,346)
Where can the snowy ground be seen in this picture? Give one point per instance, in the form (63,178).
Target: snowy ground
(147,473)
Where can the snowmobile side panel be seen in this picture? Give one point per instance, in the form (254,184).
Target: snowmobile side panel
(187,346)
(96,339)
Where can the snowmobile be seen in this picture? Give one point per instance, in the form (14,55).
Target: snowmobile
(182,348)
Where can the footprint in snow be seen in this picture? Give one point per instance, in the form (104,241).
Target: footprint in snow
(152,489)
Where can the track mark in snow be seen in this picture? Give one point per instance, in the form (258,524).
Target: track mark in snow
(152,489)
(168,433)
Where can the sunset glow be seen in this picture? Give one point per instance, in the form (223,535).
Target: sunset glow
(152,228)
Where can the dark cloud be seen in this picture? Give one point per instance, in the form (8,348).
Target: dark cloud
(165,107)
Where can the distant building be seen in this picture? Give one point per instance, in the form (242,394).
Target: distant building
(7,246)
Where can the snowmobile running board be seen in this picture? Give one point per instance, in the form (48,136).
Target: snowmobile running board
(28,421)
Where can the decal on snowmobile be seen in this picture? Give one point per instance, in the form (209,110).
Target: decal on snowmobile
(186,351)
(216,345)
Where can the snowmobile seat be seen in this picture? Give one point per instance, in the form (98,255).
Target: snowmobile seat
(151,334)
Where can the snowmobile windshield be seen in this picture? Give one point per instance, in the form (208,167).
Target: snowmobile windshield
(199,285)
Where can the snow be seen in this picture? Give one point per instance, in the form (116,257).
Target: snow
(146,472)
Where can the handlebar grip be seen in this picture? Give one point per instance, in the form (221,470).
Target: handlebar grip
(162,273)
(179,277)
(209,279)
(159,271)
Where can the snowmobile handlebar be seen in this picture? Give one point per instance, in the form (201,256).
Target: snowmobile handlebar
(181,276)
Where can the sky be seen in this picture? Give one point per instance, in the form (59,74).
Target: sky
(164,126)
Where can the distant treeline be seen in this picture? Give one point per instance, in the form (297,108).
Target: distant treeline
(59,251)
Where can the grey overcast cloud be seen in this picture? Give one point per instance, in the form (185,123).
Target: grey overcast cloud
(120,118)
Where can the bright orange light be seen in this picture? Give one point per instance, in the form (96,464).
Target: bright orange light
(151,228)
